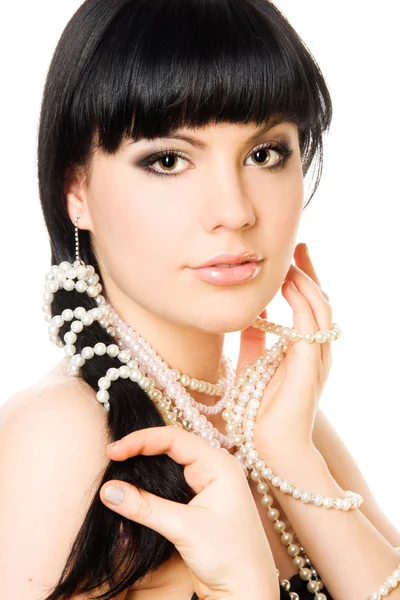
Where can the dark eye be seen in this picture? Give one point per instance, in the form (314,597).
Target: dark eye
(167,160)
(266,157)
(270,156)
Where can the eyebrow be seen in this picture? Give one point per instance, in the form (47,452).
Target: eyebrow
(202,145)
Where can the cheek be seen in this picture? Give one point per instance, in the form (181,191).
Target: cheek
(281,213)
(132,230)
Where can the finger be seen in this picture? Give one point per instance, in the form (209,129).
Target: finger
(164,516)
(203,463)
(303,260)
(252,345)
(305,355)
(320,307)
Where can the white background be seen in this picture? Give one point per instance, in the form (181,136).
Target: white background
(351,225)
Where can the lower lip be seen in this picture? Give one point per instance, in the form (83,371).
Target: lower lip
(229,275)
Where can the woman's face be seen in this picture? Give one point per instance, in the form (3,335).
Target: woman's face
(228,191)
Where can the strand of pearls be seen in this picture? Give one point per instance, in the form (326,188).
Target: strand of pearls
(174,402)
(147,357)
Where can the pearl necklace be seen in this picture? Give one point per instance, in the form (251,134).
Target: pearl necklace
(241,400)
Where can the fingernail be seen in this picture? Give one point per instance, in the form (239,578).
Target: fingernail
(114,494)
(306,250)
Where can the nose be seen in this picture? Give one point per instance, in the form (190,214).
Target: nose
(228,203)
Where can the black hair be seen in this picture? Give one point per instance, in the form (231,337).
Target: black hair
(127,69)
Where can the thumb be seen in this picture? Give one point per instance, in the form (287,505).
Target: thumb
(252,345)
(161,515)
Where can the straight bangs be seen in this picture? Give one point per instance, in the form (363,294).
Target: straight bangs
(187,63)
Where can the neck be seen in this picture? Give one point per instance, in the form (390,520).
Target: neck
(193,352)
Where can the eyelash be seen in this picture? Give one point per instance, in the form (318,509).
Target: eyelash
(282,148)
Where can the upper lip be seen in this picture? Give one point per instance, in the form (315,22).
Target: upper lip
(232,259)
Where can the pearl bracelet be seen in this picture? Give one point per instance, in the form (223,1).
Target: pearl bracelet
(351,500)
(390,584)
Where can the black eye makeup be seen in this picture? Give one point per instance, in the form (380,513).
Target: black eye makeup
(272,156)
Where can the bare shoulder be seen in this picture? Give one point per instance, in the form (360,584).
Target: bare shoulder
(53,436)
(54,390)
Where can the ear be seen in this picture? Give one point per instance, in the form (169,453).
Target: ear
(75,194)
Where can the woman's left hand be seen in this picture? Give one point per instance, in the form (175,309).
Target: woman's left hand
(285,419)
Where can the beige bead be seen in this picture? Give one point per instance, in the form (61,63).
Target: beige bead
(273,514)
(266,500)
(313,587)
(305,574)
(299,562)
(262,487)
(285,584)
(279,526)
(287,538)
(293,550)
(185,380)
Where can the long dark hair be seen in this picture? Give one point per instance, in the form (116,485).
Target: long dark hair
(126,69)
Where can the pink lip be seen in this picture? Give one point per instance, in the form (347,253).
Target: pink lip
(229,275)
(230,259)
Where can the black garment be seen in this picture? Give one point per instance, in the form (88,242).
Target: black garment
(296,585)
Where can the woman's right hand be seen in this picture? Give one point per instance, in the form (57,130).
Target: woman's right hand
(219,533)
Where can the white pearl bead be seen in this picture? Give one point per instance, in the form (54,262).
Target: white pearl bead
(392,581)
(124,372)
(327,502)
(92,291)
(103,396)
(68,285)
(87,319)
(69,349)
(318,500)
(396,574)
(52,331)
(104,383)
(70,337)
(57,321)
(320,337)
(253,454)
(266,473)
(113,350)
(100,349)
(78,360)
(81,286)
(113,374)
(383,591)
(77,326)
(52,287)
(79,312)
(67,314)
(305,497)
(338,503)
(309,337)
(136,375)
(297,493)
(285,487)
(346,504)
(124,356)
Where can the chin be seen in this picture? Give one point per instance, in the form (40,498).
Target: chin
(227,321)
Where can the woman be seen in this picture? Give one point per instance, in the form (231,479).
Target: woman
(224,99)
